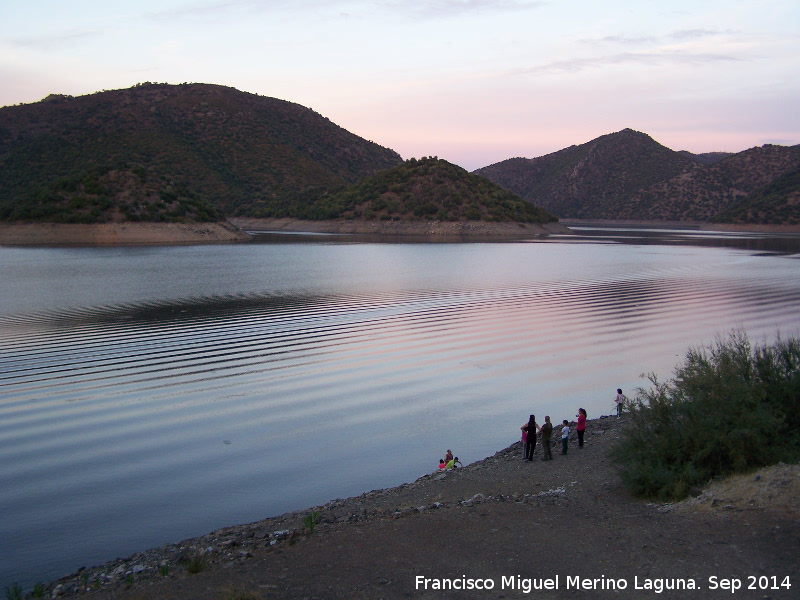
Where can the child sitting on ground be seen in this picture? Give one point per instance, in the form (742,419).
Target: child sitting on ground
(452,463)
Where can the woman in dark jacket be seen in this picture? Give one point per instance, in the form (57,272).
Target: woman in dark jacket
(530,440)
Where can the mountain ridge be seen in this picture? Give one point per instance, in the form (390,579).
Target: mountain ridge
(203,152)
(628,175)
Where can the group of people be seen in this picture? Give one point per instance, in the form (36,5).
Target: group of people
(448,462)
(531,429)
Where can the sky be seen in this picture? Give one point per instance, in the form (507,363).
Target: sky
(470,81)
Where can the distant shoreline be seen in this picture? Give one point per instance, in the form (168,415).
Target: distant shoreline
(118,234)
(399,228)
(235,230)
(686,225)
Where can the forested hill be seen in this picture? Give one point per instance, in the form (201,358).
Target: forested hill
(171,152)
(628,175)
(426,189)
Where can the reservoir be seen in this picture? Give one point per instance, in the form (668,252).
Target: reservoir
(151,394)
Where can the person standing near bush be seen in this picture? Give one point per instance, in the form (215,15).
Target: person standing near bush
(581,426)
(529,432)
(620,400)
(547,432)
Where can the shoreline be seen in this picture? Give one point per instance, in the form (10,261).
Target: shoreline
(239,229)
(119,234)
(686,225)
(435,229)
(375,544)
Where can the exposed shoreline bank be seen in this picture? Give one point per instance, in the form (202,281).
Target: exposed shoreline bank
(235,230)
(118,234)
(500,516)
(402,228)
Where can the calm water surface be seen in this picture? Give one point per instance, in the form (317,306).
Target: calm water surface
(152,394)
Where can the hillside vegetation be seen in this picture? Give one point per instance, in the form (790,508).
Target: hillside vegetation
(777,202)
(428,188)
(628,175)
(171,152)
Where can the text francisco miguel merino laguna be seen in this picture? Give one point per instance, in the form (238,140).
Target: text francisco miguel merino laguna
(526,585)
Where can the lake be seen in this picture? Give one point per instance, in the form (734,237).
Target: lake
(151,394)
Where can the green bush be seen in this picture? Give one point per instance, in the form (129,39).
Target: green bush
(196,563)
(14,593)
(729,408)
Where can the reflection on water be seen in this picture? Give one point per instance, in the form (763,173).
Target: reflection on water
(149,395)
(764,242)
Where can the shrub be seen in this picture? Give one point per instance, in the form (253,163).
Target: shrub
(310,521)
(196,564)
(240,594)
(14,592)
(729,408)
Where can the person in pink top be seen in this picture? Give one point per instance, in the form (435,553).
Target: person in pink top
(581,426)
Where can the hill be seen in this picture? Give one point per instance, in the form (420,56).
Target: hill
(754,186)
(158,152)
(776,202)
(628,175)
(425,189)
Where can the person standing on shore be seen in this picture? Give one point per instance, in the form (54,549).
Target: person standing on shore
(547,432)
(564,436)
(529,433)
(620,400)
(581,426)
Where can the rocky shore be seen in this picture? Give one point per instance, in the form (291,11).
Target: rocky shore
(502,521)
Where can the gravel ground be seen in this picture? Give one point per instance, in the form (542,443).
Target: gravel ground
(558,529)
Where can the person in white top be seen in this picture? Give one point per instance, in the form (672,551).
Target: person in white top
(620,400)
(564,436)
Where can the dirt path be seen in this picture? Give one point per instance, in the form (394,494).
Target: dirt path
(502,521)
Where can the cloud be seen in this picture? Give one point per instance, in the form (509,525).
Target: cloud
(681,34)
(216,8)
(55,40)
(621,39)
(456,8)
(693,34)
(650,58)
